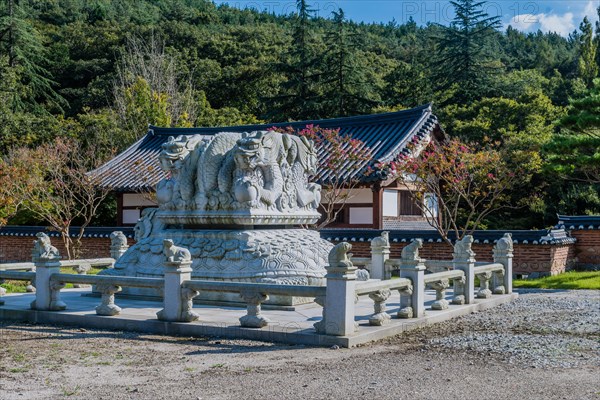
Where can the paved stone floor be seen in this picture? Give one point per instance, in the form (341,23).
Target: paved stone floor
(286,326)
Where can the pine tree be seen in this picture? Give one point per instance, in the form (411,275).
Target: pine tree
(462,60)
(26,55)
(587,67)
(347,88)
(298,96)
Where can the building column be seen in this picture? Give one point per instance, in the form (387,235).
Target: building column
(377,206)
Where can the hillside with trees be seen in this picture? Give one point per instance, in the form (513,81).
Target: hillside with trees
(96,72)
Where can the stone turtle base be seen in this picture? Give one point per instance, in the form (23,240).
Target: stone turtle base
(275,256)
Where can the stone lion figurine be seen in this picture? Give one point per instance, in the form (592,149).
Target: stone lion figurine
(118,239)
(339,256)
(411,252)
(381,241)
(462,248)
(506,243)
(362,275)
(43,249)
(175,253)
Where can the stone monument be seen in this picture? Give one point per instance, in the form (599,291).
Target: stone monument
(236,202)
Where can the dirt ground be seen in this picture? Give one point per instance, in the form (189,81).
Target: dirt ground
(46,362)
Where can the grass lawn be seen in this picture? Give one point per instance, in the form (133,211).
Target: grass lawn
(19,286)
(568,280)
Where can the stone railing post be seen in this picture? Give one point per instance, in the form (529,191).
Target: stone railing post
(440,287)
(320,325)
(412,267)
(108,306)
(47,262)
(464,260)
(380,252)
(503,254)
(118,244)
(177,300)
(484,285)
(407,310)
(340,293)
(253,318)
(380,316)
(458,286)
(82,269)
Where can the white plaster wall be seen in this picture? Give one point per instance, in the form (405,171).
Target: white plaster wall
(357,196)
(361,215)
(131,216)
(390,203)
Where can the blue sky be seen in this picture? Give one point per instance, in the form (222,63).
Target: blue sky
(558,16)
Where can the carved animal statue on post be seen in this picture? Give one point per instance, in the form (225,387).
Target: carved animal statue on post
(505,243)
(339,256)
(462,248)
(381,241)
(174,254)
(118,239)
(43,249)
(411,251)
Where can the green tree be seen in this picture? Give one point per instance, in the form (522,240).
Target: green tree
(573,158)
(298,98)
(347,87)
(587,66)
(27,58)
(463,58)
(574,153)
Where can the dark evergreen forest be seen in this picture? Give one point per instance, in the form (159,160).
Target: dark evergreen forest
(100,71)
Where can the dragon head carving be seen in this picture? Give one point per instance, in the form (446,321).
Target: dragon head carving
(174,152)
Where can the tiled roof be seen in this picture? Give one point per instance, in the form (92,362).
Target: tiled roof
(386,135)
(536,237)
(579,222)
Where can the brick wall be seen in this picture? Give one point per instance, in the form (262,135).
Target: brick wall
(18,248)
(587,248)
(528,258)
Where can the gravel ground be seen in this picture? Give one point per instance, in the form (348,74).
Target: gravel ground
(545,345)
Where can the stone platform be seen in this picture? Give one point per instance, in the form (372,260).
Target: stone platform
(286,326)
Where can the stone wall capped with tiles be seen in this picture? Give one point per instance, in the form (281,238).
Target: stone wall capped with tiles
(16,243)
(586,229)
(536,252)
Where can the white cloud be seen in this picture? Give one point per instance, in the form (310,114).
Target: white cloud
(590,11)
(563,24)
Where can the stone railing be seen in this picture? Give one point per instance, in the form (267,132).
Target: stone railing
(460,271)
(81,266)
(379,292)
(253,294)
(177,285)
(337,298)
(30,266)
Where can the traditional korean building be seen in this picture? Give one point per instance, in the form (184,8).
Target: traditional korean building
(378,202)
